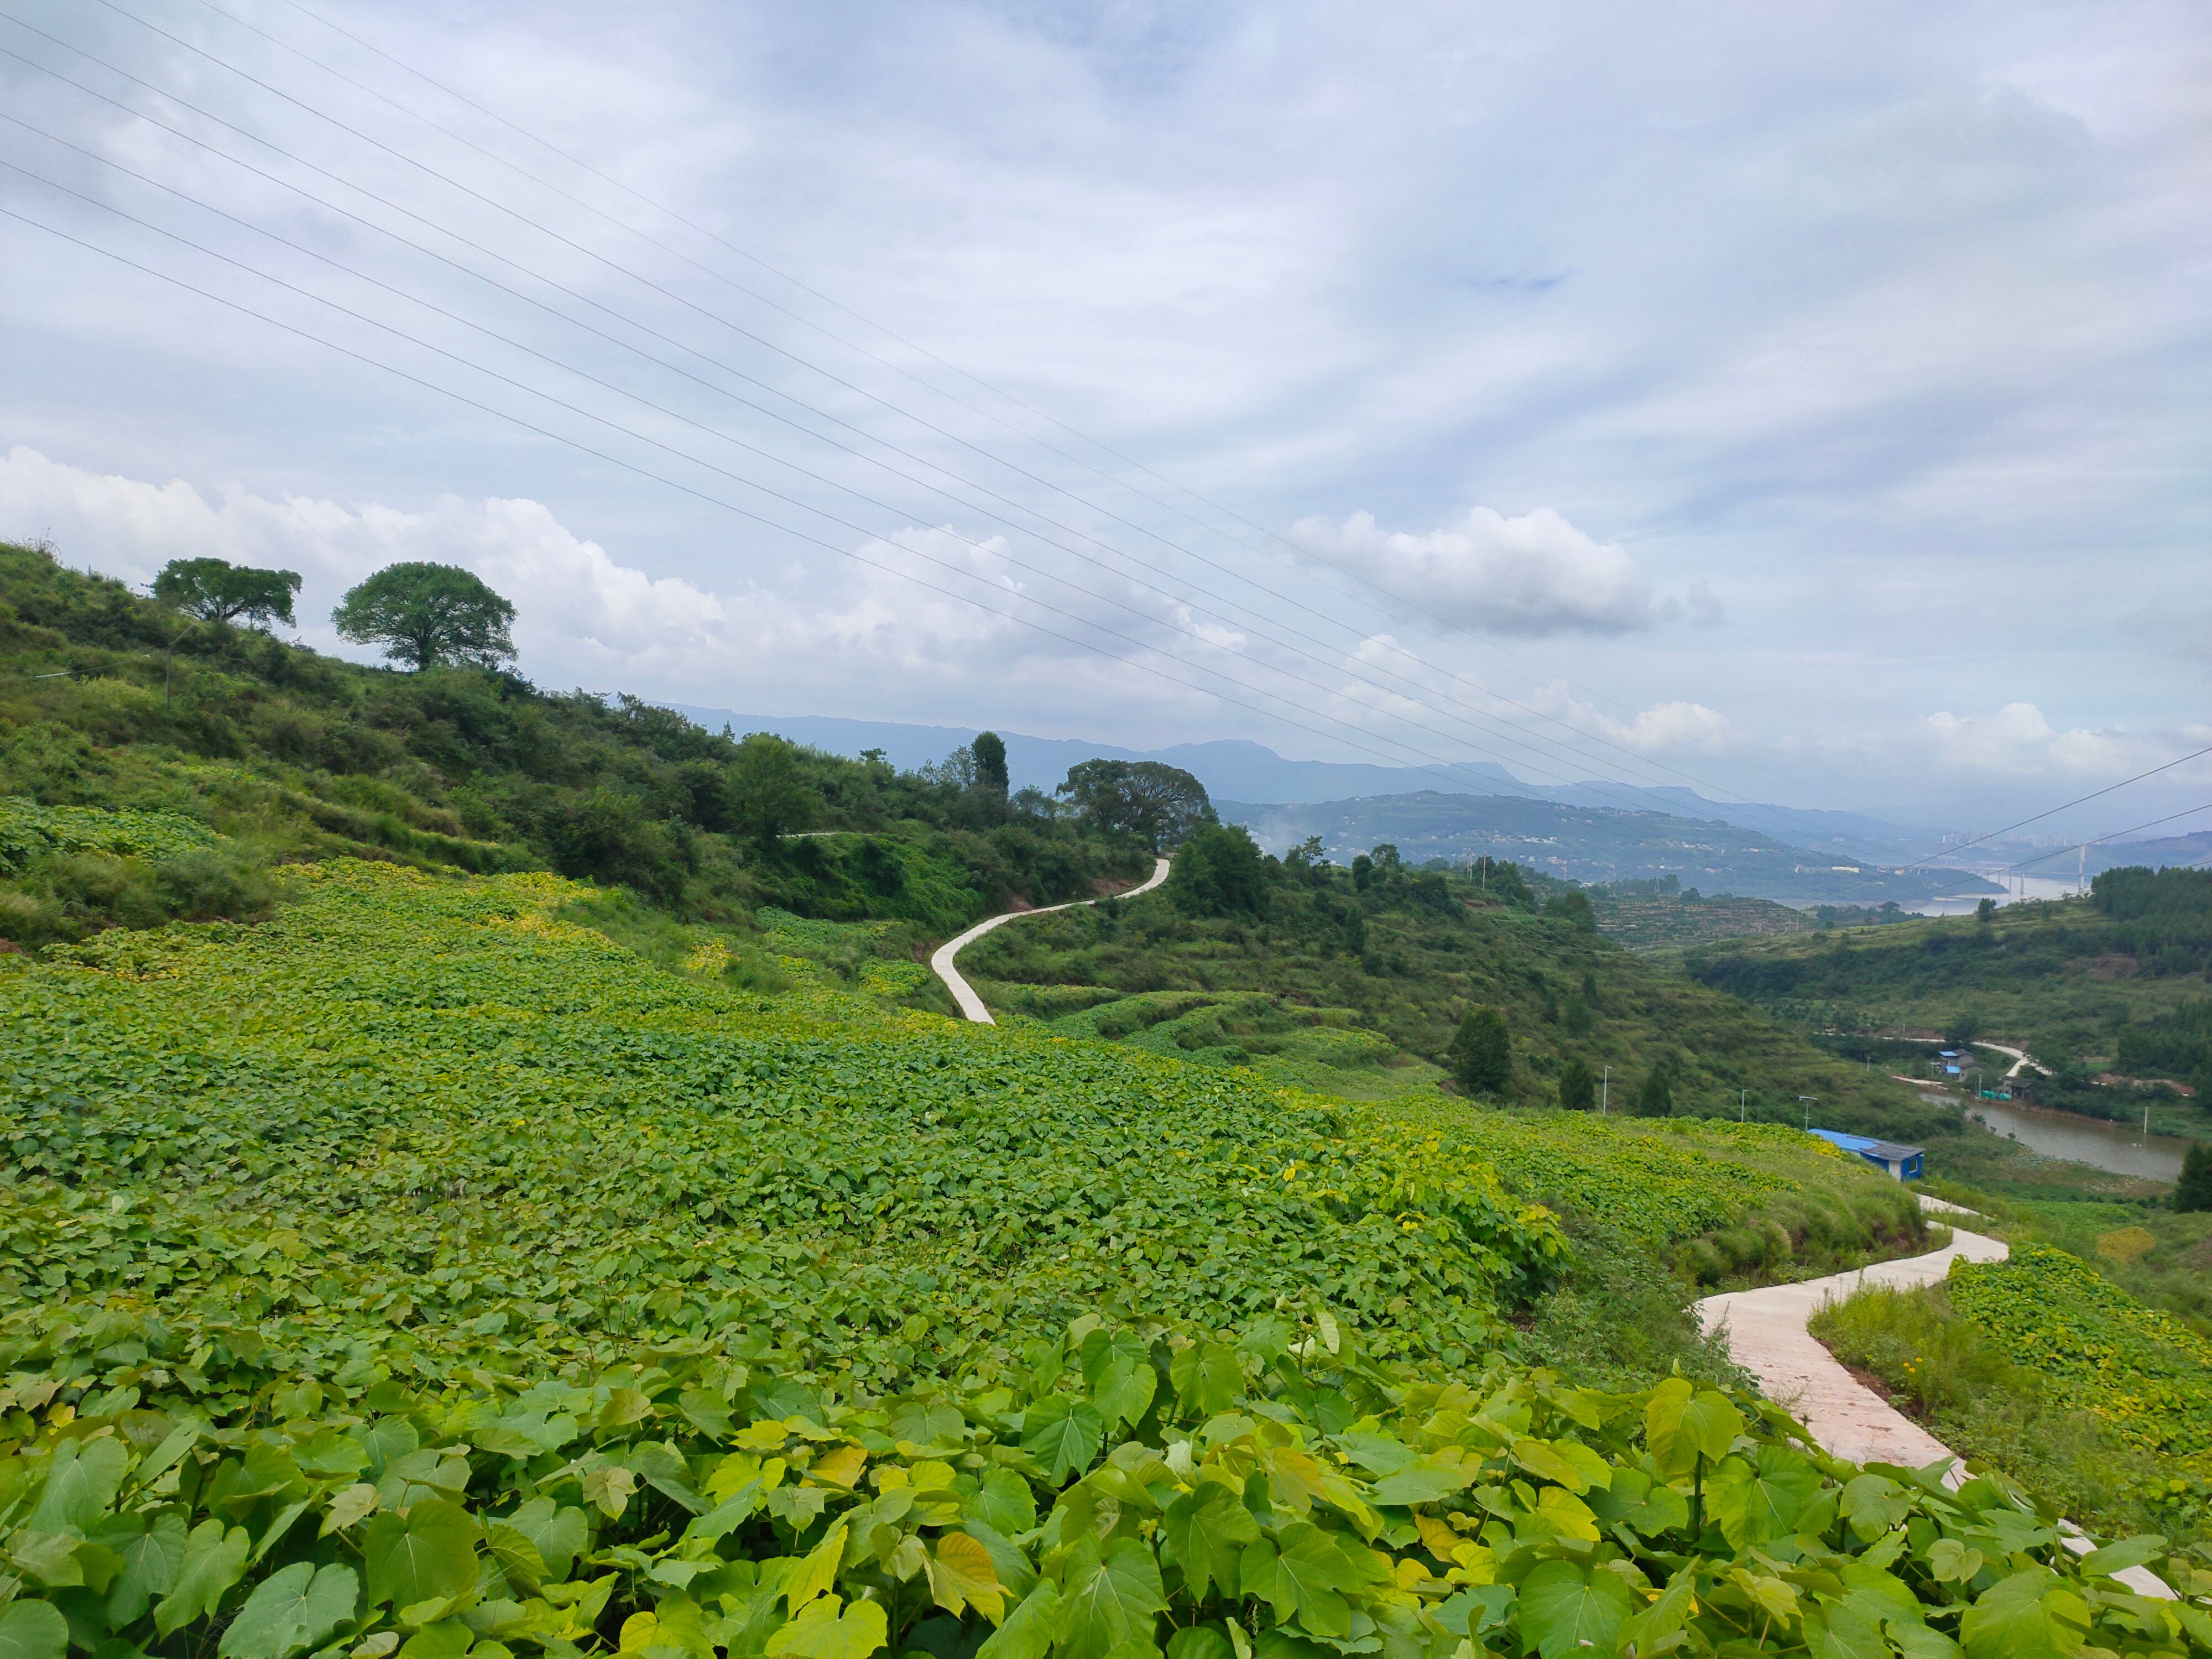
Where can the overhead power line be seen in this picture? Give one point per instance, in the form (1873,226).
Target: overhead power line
(1359,739)
(1785,830)
(1393,602)
(2072,847)
(1953,852)
(660,408)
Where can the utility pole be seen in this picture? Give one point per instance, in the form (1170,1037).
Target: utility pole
(1805,1100)
(1605,1092)
(1741,1096)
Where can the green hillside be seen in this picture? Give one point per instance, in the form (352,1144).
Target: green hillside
(287,755)
(477,1187)
(2114,983)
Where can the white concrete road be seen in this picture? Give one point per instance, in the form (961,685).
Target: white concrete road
(964,993)
(1767,1335)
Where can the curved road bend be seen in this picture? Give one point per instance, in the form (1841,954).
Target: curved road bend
(964,993)
(1767,1335)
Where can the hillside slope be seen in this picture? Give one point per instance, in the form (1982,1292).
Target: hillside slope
(2113,983)
(289,754)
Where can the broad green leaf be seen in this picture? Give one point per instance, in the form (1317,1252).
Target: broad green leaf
(1843,1632)
(1107,1597)
(818,1573)
(962,1574)
(1206,1529)
(1378,1454)
(1125,1392)
(2030,1615)
(1953,1562)
(291,1611)
(1759,1499)
(1104,1351)
(214,1560)
(1565,1608)
(1682,1425)
(1015,1573)
(1567,1463)
(517,1557)
(1873,1503)
(150,1562)
(349,1505)
(2127,1552)
(33,1630)
(1917,1641)
(1207,1377)
(1311,1569)
(607,1488)
(1647,1630)
(927,1422)
(1029,1630)
(823,1631)
(1002,1500)
(82,1481)
(1062,1434)
(561,1532)
(1428,1481)
(428,1552)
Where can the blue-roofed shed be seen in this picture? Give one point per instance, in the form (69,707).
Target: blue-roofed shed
(1900,1162)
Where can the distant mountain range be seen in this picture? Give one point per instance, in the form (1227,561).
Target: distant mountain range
(1595,844)
(1238,770)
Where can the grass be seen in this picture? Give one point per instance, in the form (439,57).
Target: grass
(1950,1376)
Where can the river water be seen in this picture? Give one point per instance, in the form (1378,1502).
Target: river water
(2112,1146)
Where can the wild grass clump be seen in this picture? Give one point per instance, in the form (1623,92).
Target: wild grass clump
(1945,1373)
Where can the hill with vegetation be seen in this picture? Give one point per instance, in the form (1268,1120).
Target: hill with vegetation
(2111,986)
(434,1249)
(278,754)
(1595,844)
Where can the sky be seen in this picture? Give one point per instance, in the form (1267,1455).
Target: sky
(1807,404)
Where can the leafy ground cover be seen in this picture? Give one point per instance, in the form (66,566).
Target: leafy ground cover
(1950,1374)
(466,1110)
(2145,1374)
(1283,1496)
(421,1270)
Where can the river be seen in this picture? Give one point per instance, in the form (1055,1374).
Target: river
(2016,889)
(2112,1146)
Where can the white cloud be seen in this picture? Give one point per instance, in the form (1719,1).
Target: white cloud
(1533,575)
(2019,740)
(1677,727)
(907,628)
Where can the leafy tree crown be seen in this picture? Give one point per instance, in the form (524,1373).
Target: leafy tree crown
(426,614)
(216,590)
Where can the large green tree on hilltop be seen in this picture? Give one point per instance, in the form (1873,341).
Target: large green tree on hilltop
(769,795)
(216,590)
(426,614)
(1157,804)
(1578,1087)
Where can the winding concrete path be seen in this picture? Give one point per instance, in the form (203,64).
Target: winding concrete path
(1767,1335)
(964,993)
